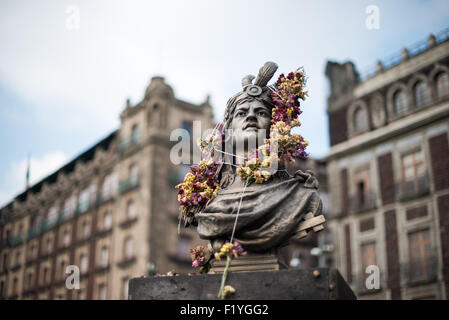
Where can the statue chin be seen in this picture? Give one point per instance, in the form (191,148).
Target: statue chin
(248,140)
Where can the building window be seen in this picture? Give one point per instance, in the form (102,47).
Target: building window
(83,201)
(84,263)
(49,245)
(104,256)
(102,292)
(135,133)
(85,229)
(129,248)
(125,284)
(15,286)
(66,238)
(110,186)
(45,277)
(400,102)
(133,174)
(360,120)
(62,269)
(17,258)
(107,221)
(420,253)
(52,215)
(131,210)
(363,198)
(421,93)
(5,261)
(69,206)
(413,172)
(368,251)
(442,84)
(30,280)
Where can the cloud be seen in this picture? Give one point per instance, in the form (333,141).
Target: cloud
(40,167)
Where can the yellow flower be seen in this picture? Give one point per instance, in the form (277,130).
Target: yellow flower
(265,174)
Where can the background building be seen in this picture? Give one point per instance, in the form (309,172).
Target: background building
(111,211)
(388,172)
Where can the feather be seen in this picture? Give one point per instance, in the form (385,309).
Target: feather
(247,80)
(266,73)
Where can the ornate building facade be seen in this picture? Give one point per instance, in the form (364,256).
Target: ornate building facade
(111,211)
(388,172)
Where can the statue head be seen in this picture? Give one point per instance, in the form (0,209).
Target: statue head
(248,113)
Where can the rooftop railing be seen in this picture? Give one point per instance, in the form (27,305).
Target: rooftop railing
(403,55)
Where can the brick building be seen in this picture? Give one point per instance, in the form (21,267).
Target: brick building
(111,211)
(388,172)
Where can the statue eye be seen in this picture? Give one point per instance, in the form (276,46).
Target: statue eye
(241,113)
(263,113)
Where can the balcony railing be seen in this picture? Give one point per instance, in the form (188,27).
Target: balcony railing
(16,240)
(125,144)
(82,207)
(412,189)
(397,58)
(32,232)
(420,272)
(363,202)
(128,184)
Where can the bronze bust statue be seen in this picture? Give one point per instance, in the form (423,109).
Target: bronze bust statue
(271,213)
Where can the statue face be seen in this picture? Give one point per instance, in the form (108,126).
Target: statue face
(248,120)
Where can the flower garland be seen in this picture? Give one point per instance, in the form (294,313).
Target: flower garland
(200,185)
(284,118)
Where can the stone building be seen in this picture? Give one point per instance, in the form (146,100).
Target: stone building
(111,211)
(388,172)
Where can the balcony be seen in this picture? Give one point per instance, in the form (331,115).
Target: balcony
(363,202)
(32,232)
(62,217)
(128,184)
(126,262)
(127,143)
(16,240)
(127,222)
(104,198)
(420,273)
(413,189)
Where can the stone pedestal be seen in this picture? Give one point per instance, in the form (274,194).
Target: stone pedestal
(297,284)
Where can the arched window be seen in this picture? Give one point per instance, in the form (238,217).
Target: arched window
(442,84)
(421,93)
(128,248)
(84,263)
(360,120)
(400,102)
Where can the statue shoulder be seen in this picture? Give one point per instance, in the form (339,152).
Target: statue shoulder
(308,178)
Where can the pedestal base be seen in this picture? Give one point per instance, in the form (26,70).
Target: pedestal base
(297,284)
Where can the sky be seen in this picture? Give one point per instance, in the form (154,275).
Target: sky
(67,67)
